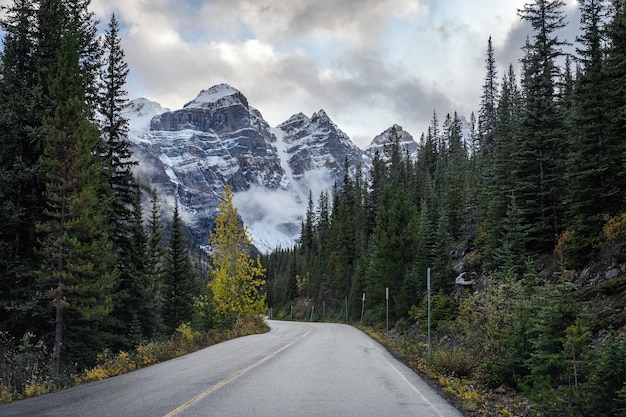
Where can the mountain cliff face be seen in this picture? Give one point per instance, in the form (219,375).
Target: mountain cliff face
(192,153)
(317,143)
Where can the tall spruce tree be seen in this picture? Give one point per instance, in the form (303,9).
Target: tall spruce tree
(181,283)
(615,87)
(21,176)
(35,30)
(77,266)
(591,162)
(486,146)
(120,189)
(153,271)
(507,131)
(394,242)
(539,164)
(488,108)
(456,171)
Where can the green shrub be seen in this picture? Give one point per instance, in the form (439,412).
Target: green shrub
(24,367)
(451,361)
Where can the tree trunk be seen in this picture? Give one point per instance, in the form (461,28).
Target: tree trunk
(58,333)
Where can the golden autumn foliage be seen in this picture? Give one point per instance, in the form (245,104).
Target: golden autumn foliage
(237,277)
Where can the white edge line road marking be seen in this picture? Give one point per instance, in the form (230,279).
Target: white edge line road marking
(411,384)
(233,376)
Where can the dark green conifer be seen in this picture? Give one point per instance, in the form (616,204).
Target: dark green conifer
(615,88)
(591,180)
(154,259)
(538,162)
(77,270)
(180,279)
(21,176)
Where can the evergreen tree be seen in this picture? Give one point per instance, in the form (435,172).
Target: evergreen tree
(139,304)
(487,140)
(114,147)
(507,128)
(514,234)
(306,239)
(414,282)
(52,20)
(120,189)
(591,180)
(615,88)
(456,170)
(539,166)
(378,174)
(488,108)
(237,278)
(180,279)
(154,265)
(393,246)
(555,310)
(22,180)
(35,31)
(439,253)
(88,46)
(77,255)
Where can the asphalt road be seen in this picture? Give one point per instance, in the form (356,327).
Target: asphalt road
(297,369)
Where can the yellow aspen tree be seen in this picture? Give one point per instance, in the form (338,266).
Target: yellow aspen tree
(237,277)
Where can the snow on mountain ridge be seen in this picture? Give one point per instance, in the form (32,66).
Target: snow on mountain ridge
(139,112)
(222,95)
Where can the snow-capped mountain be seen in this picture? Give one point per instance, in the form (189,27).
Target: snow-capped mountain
(317,151)
(189,155)
(139,112)
(217,139)
(406,142)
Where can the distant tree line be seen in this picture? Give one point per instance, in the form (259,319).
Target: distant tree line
(537,183)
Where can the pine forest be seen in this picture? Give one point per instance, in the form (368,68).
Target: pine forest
(517,224)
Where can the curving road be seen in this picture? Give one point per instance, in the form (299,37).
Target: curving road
(297,369)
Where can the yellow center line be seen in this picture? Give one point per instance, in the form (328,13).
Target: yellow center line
(230,378)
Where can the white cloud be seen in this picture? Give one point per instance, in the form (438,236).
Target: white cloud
(368,63)
(273,217)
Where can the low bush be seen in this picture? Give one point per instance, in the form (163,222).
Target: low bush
(451,361)
(25,365)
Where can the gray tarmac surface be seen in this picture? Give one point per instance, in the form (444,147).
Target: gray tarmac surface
(296,369)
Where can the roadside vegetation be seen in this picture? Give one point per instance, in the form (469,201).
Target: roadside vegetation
(26,369)
(512,352)
(25,364)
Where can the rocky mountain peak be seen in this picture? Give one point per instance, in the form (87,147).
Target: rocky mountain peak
(140,111)
(316,143)
(384,139)
(221,95)
(294,122)
(220,109)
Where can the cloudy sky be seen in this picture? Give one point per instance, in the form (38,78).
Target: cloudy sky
(367,63)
